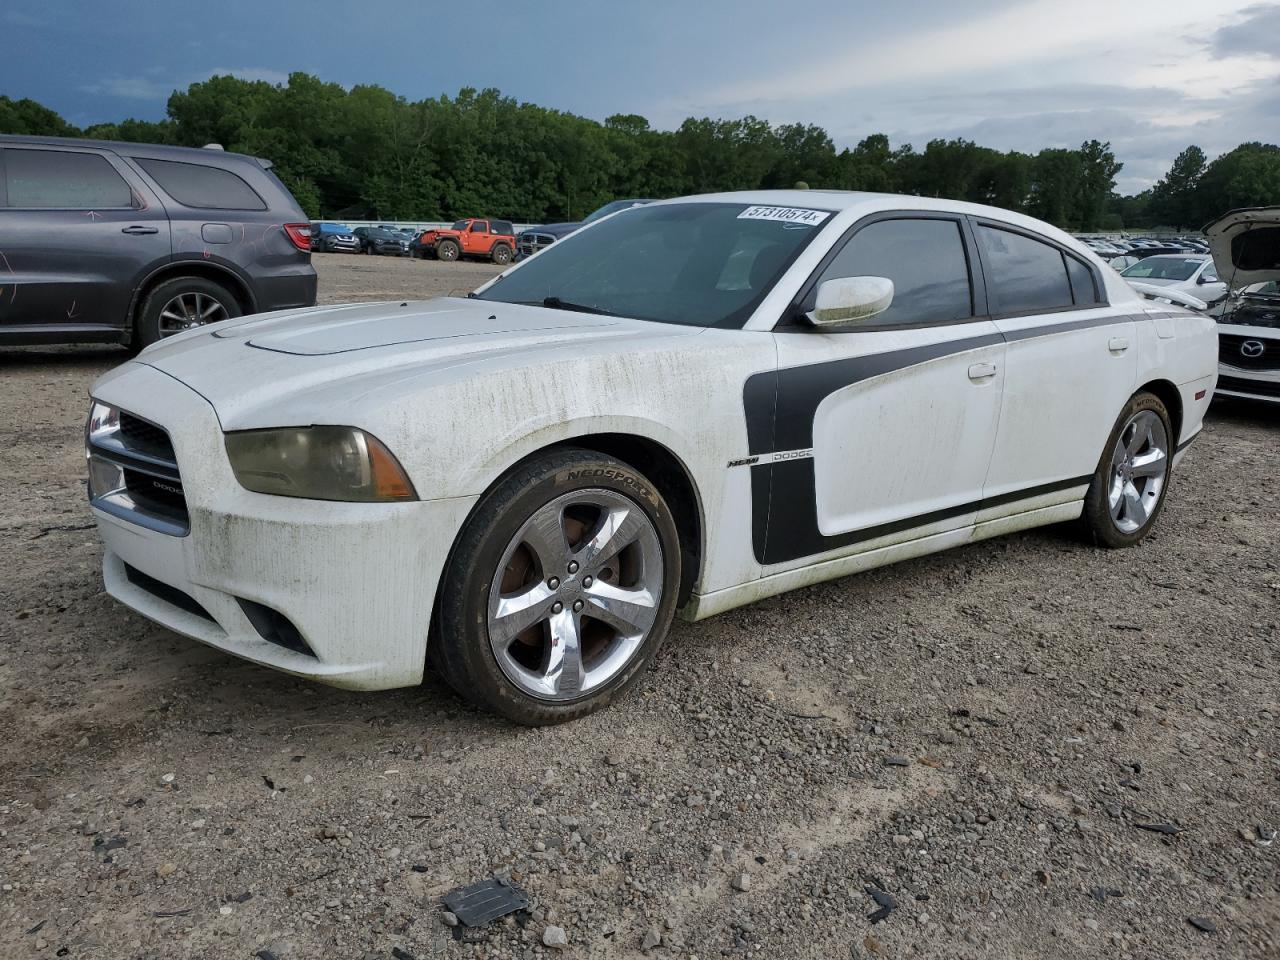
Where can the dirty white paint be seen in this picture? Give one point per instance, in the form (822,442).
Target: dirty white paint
(460,390)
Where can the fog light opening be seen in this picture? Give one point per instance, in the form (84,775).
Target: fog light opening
(274,627)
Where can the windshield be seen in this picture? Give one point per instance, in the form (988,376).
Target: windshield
(697,264)
(1164,268)
(614,207)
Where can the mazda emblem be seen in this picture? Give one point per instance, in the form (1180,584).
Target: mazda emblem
(1252,349)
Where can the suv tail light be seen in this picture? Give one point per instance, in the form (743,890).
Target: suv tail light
(300,234)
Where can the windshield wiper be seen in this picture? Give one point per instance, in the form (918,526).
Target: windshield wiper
(555,303)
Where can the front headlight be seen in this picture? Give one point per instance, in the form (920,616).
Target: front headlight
(319,463)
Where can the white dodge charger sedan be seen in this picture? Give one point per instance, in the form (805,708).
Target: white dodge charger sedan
(683,407)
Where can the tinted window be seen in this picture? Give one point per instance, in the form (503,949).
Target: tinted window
(503,227)
(1082,289)
(479,227)
(57,179)
(193,185)
(1023,275)
(924,259)
(700,264)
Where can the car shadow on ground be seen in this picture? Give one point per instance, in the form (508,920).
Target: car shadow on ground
(67,357)
(1246,412)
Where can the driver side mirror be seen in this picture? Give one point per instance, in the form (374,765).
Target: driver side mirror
(850,300)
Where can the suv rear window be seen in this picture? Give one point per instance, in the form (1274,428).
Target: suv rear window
(194,185)
(59,179)
(503,227)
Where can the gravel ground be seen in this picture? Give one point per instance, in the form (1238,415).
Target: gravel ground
(983,739)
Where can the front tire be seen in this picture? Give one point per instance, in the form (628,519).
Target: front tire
(1127,493)
(448,251)
(560,589)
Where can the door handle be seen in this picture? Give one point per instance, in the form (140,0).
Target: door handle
(1118,344)
(138,231)
(981,371)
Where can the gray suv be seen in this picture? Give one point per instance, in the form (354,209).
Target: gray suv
(128,243)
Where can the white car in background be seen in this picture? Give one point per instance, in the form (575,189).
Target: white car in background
(688,406)
(1246,247)
(1192,273)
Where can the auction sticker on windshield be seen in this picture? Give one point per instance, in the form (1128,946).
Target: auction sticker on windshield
(808,218)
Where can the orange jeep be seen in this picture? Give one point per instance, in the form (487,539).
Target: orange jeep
(491,239)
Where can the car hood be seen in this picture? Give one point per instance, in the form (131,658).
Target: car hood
(1245,245)
(1156,281)
(275,367)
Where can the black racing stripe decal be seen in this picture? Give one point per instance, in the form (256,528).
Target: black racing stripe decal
(793,510)
(780,407)
(1188,442)
(1048,331)
(795,393)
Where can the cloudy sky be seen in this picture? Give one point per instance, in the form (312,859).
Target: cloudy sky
(1151,76)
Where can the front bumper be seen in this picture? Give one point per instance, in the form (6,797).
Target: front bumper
(356,580)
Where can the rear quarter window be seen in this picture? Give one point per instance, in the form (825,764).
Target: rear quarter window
(195,185)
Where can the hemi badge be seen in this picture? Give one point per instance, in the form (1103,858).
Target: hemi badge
(744,462)
(1200,394)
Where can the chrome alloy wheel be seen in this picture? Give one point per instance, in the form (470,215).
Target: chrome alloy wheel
(1139,469)
(575,594)
(188,310)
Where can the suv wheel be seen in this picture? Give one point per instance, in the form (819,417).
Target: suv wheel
(501,254)
(181,304)
(448,250)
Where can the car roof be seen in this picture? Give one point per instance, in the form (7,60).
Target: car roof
(865,202)
(1201,257)
(153,151)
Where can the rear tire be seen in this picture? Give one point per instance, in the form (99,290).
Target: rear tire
(559,591)
(501,254)
(180,304)
(1128,490)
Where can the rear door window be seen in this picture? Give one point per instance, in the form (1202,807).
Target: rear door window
(195,185)
(1023,275)
(63,180)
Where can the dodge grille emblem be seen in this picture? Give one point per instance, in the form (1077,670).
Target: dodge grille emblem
(1251,349)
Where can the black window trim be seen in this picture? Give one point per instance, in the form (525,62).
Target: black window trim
(106,155)
(1099,287)
(136,162)
(792,320)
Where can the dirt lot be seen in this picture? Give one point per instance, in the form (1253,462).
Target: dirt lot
(983,735)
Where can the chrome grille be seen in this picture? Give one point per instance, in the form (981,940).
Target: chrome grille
(133,472)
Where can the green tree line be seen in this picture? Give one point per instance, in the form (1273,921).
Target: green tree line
(366,152)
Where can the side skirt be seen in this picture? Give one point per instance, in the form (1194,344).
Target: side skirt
(701,606)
